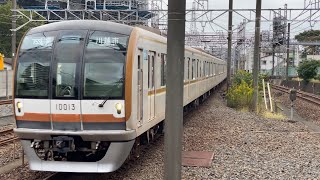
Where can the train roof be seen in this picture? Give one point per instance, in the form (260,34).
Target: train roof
(83,25)
(103,26)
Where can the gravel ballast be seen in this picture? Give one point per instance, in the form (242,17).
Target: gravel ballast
(245,146)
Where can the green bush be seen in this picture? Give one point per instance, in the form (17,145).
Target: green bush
(240,95)
(242,76)
(308,69)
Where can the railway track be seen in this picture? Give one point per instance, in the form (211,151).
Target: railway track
(301,94)
(4,102)
(7,140)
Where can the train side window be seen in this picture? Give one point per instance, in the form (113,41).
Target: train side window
(152,71)
(149,71)
(193,69)
(188,69)
(204,68)
(197,68)
(163,69)
(200,74)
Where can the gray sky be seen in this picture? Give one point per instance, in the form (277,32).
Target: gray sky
(251,4)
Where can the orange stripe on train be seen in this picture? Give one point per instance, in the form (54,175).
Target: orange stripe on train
(86,118)
(34,117)
(100,118)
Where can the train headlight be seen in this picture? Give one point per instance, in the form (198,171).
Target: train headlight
(19,106)
(119,108)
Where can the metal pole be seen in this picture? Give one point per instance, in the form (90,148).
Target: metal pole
(256,57)
(174,90)
(14,32)
(288,51)
(260,47)
(230,45)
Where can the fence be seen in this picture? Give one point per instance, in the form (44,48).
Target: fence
(6,82)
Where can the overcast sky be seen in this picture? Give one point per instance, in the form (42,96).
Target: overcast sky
(251,4)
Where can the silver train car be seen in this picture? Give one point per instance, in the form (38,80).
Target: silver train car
(86,93)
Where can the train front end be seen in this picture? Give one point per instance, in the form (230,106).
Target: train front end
(69,97)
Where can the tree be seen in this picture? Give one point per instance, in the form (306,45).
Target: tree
(5,26)
(308,69)
(309,36)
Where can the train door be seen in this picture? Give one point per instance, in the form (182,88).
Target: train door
(152,90)
(65,103)
(140,89)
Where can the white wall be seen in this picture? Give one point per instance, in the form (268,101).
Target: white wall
(315,57)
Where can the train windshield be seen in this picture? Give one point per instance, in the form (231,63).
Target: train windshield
(104,65)
(72,65)
(32,78)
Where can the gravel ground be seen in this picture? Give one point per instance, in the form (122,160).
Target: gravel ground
(245,147)
(305,109)
(6,110)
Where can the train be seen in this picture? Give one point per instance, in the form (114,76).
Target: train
(87,93)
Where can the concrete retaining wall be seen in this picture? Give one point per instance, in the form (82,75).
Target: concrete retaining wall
(6,87)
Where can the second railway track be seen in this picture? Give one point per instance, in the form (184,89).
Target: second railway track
(7,137)
(300,94)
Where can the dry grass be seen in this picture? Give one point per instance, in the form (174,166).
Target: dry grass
(270,115)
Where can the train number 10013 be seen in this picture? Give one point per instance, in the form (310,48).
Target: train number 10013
(65,107)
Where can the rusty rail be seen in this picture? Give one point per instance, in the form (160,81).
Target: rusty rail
(3,102)
(7,131)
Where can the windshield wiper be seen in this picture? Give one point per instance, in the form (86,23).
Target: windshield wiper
(103,102)
(110,91)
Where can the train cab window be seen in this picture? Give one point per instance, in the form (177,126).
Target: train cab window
(104,63)
(33,65)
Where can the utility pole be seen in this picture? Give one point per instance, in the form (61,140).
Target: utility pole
(229,44)
(260,47)
(174,91)
(14,32)
(256,57)
(288,51)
